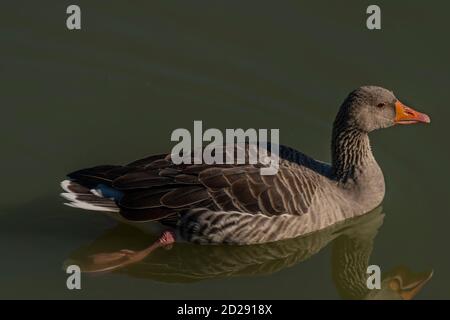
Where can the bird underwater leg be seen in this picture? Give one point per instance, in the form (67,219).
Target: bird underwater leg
(106,262)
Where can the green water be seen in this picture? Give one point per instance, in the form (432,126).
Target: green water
(115,91)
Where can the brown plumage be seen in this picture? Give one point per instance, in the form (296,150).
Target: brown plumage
(151,188)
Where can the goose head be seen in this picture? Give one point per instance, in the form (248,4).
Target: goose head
(370,107)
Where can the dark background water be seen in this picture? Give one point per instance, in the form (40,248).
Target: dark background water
(115,90)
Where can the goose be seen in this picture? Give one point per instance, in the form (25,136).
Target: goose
(235,204)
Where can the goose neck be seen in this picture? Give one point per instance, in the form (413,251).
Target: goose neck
(351,152)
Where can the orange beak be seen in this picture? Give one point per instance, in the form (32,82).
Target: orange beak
(408,284)
(406,115)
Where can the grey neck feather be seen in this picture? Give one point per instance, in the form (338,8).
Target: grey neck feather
(350,148)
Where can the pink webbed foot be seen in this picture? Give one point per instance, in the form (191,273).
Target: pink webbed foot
(167,240)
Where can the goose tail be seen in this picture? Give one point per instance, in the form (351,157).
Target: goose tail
(79,196)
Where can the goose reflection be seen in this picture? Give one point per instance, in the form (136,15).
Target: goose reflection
(351,241)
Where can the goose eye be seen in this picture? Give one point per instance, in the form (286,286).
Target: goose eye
(380,105)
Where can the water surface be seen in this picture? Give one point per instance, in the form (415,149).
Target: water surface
(115,91)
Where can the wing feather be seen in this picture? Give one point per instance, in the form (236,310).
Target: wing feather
(155,188)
